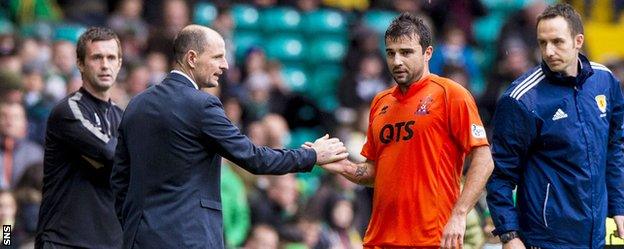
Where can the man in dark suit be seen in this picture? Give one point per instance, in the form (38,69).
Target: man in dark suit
(172,136)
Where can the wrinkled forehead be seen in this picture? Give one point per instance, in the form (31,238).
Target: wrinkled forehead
(403,41)
(553,26)
(103,46)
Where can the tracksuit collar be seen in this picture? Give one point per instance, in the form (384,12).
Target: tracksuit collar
(585,71)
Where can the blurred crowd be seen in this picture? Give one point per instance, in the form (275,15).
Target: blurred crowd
(278,100)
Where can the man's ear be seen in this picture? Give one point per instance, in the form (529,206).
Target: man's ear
(578,41)
(428,53)
(191,58)
(80,65)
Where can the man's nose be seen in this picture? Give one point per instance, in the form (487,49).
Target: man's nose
(396,60)
(224,65)
(549,50)
(105,64)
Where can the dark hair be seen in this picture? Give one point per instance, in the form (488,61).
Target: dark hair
(189,39)
(407,24)
(568,13)
(95,34)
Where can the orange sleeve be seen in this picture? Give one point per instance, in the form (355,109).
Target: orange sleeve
(465,123)
(369,150)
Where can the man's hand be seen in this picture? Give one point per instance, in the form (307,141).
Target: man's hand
(514,244)
(328,150)
(619,223)
(453,234)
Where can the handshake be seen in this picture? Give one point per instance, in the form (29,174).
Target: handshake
(328,151)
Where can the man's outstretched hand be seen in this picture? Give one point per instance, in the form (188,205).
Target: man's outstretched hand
(327,149)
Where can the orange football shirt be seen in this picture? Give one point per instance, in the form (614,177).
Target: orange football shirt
(418,141)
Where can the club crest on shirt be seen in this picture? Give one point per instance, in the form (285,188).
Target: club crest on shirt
(425,104)
(601,101)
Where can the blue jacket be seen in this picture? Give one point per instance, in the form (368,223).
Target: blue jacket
(559,141)
(166,174)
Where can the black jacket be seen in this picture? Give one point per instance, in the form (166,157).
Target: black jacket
(77,207)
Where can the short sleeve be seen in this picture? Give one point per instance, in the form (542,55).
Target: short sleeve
(369,150)
(465,124)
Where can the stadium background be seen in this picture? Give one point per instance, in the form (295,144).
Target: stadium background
(298,69)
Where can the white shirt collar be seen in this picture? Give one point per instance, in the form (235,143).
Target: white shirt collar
(186,76)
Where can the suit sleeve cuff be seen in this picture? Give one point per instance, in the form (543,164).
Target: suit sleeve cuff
(308,160)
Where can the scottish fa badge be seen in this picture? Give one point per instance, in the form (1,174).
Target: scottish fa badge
(601,101)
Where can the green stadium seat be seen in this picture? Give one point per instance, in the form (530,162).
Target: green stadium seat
(379,20)
(326,49)
(295,77)
(69,32)
(205,13)
(324,78)
(243,40)
(6,27)
(507,6)
(301,135)
(39,30)
(286,48)
(280,19)
(4,14)
(487,29)
(328,103)
(245,17)
(324,21)
(322,86)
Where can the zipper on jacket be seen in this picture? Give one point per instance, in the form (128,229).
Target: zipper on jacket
(580,115)
(546,202)
(588,154)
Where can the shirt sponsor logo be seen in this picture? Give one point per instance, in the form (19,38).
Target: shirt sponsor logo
(396,132)
(477,131)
